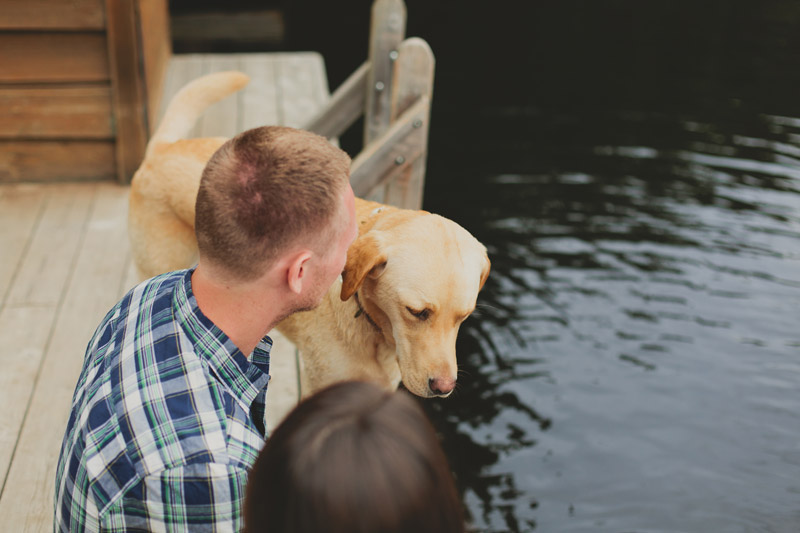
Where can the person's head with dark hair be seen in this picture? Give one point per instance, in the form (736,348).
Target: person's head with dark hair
(353,458)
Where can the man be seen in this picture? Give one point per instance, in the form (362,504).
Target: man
(168,413)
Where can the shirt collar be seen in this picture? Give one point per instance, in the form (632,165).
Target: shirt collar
(246,379)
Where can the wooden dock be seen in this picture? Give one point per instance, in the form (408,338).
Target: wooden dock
(65,260)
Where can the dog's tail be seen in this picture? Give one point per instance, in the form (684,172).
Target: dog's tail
(191,101)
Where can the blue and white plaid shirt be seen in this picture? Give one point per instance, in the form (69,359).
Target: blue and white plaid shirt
(167,419)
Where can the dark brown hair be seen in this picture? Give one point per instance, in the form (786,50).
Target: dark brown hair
(353,458)
(262,191)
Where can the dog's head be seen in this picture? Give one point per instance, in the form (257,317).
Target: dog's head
(418,276)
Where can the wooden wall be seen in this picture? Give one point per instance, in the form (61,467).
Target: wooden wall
(80,81)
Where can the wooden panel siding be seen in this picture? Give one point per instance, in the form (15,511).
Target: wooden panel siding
(52,14)
(55,112)
(156,50)
(127,85)
(56,161)
(80,69)
(53,57)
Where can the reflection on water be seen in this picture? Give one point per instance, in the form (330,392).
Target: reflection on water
(633,365)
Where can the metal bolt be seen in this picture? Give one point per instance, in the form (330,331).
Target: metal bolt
(395,21)
(379,86)
(399,160)
(417,123)
(393,55)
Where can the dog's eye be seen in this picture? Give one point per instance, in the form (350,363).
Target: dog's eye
(422,315)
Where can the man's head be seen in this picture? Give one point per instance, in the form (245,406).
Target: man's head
(271,193)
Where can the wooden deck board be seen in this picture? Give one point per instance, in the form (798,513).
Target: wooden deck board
(48,260)
(220,120)
(20,210)
(65,261)
(25,331)
(32,304)
(259,99)
(296,78)
(27,499)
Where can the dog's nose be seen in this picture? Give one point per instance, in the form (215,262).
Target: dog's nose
(441,386)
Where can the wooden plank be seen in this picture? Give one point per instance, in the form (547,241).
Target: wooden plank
(258,101)
(344,106)
(25,332)
(52,14)
(47,263)
(21,207)
(387,30)
(320,91)
(296,74)
(55,112)
(130,278)
(53,57)
(182,70)
(127,85)
(27,502)
(154,28)
(284,391)
(220,119)
(413,79)
(391,153)
(56,161)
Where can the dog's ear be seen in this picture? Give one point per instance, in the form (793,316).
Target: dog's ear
(364,257)
(485,274)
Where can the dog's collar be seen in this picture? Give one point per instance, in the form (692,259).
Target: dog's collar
(361,311)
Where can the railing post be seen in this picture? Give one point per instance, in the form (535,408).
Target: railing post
(387,31)
(413,80)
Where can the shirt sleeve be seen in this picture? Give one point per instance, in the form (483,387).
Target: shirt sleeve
(194,497)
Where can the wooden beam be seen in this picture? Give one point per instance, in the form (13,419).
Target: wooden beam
(387,31)
(390,153)
(344,107)
(413,79)
(156,52)
(130,107)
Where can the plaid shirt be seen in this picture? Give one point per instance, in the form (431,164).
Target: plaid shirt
(167,418)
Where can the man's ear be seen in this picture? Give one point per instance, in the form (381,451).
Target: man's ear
(485,274)
(365,256)
(297,271)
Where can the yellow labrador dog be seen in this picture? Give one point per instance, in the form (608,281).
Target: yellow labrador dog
(410,279)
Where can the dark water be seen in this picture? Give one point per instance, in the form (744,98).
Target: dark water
(635,364)
(634,170)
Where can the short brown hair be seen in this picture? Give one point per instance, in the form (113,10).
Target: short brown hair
(261,191)
(353,458)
